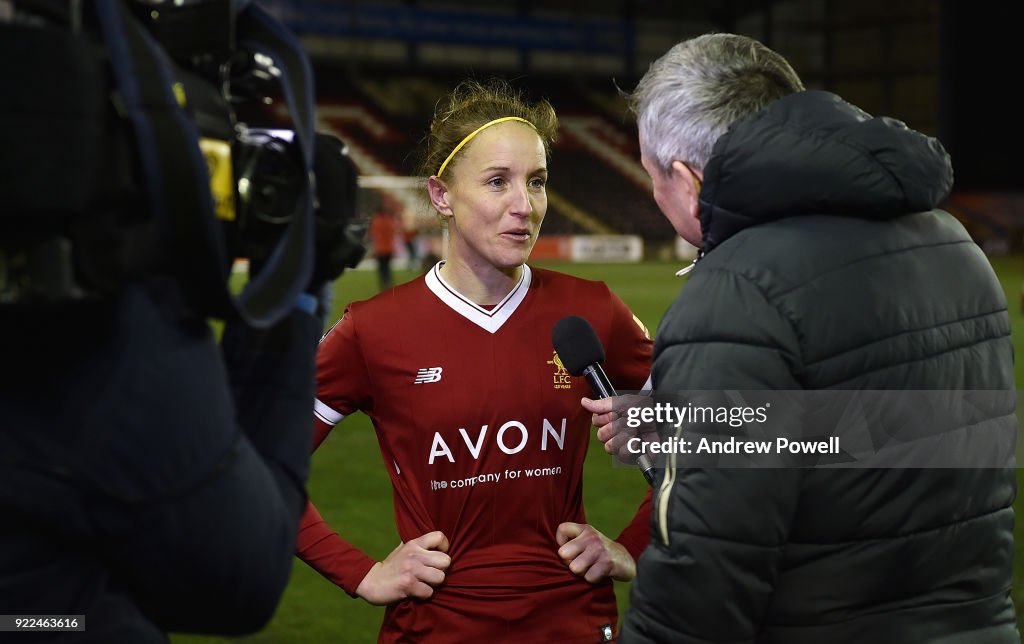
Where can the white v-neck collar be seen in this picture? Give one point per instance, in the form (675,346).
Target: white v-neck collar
(491,320)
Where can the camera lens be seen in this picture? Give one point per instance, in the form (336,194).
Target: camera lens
(271,187)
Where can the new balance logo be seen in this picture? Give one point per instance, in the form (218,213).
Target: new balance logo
(426,376)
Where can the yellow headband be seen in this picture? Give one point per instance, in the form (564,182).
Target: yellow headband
(480,129)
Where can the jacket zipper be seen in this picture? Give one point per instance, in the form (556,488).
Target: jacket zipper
(665,491)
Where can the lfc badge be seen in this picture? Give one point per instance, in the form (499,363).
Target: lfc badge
(561,378)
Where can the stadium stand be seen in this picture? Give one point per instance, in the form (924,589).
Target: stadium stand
(598,184)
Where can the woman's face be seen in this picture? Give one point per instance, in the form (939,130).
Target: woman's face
(497,198)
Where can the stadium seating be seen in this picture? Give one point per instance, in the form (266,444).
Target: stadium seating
(597,186)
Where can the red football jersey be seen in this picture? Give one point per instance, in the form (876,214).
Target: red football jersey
(485,438)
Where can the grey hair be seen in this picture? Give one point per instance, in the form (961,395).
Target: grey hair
(690,96)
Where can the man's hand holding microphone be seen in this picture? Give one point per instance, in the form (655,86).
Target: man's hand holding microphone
(582,354)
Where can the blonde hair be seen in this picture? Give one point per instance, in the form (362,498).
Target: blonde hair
(473,104)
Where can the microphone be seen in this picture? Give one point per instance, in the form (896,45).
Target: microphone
(581,353)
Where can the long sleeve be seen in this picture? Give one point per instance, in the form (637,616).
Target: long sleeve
(637,533)
(177,471)
(250,504)
(271,375)
(629,367)
(709,572)
(628,348)
(330,555)
(342,387)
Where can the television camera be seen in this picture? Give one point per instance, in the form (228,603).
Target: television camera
(165,135)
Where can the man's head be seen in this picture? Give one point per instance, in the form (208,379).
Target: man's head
(687,99)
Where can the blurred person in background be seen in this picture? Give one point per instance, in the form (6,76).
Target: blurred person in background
(383,228)
(479,424)
(410,236)
(823,264)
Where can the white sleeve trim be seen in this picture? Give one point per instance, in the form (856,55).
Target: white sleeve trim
(326,414)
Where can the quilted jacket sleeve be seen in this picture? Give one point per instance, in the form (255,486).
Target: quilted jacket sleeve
(708,574)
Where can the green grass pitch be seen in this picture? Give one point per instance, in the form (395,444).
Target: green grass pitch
(351,488)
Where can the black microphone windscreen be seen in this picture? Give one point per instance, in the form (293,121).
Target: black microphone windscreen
(577,344)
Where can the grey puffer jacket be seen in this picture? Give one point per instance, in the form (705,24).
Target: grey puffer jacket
(827,267)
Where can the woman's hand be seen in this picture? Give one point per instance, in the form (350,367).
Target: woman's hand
(413,569)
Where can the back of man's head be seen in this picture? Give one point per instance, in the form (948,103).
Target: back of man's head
(690,96)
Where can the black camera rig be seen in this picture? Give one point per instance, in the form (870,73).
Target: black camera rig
(137,138)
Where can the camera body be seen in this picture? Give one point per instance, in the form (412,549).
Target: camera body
(153,135)
(256,168)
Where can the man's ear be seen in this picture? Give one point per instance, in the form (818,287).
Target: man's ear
(692,179)
(439,196)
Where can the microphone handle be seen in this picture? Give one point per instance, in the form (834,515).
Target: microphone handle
(602,387)
(598,381)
